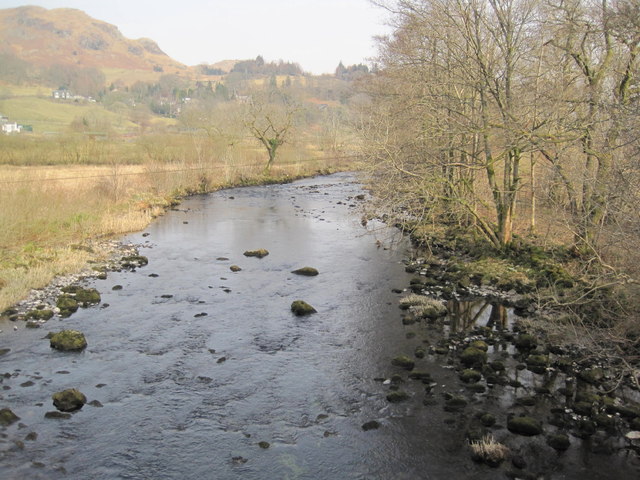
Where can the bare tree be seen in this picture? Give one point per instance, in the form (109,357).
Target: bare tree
(270,118)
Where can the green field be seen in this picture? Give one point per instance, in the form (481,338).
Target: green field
(48,115)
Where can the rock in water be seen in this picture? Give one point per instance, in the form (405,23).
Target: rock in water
(306,271)
(524,426)
(300,307)
(7,417)
(256,253)
(69,400)
(68,340)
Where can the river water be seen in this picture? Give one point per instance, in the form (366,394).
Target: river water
(192,365)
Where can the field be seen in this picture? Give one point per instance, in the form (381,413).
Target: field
(47,115)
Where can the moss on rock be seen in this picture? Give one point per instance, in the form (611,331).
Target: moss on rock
(403,361)
(526,426)
(306,271)
(397,396)
(67,305)
(87,296)
(68,340)
(44,314)
(260,253)
(473,356)
(526,341)
(134,261)
(300,308)
(7,417)
(558,441)
(470,376)
(69,400)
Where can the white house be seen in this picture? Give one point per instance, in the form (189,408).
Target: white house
(61,94)
(11,128)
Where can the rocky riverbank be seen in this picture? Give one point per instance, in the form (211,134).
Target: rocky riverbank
(520,399)
(65,294)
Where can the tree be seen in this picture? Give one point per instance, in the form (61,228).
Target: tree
(457,76)
(270,118)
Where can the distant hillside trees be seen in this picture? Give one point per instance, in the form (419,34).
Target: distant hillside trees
(205,69)
(260,67)
(351,72)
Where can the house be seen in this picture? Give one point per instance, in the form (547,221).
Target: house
(61,94)
(11,128)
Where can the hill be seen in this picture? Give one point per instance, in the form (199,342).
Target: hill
(70,37)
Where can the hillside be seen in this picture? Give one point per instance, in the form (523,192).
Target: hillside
(65,36)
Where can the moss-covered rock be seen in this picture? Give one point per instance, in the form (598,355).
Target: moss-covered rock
(68,340)
(7,417)
(558,441)
(134,261)
(370,425)
(470,376)
(480,345)
(67,305)
(397,396)
(306,271)
(87,296)
(537,360)
(403,361)
(526,342)
(260,253)
(44,314)
(473,356)
(487,420)
(69,400)
(583,408)
(235,268)
(454,403)
(526,426)
(300,308)
(264,445)
(420,375)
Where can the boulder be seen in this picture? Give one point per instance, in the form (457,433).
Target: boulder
(87,296)
(68,340)
(559,442)
(69,400)
(235,268)
(403,361)
(397,396)
(300,308)
(44,314)
(526,426)
(134,261)
(371,425)
(67,305)
(473,356)
(260,253)
(7,417)
(525,342)
(306,271)
(470,376)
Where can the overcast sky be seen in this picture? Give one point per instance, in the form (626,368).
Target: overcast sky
(315,33)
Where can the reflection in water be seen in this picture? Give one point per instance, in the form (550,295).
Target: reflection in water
(482,312)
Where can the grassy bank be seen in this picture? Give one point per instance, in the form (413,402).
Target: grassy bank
(48,211)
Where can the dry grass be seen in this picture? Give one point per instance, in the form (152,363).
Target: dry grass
(45,209)
(490,451)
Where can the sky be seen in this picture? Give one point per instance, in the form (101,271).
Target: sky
(317,34)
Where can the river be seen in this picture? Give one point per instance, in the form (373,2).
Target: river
(190,366)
